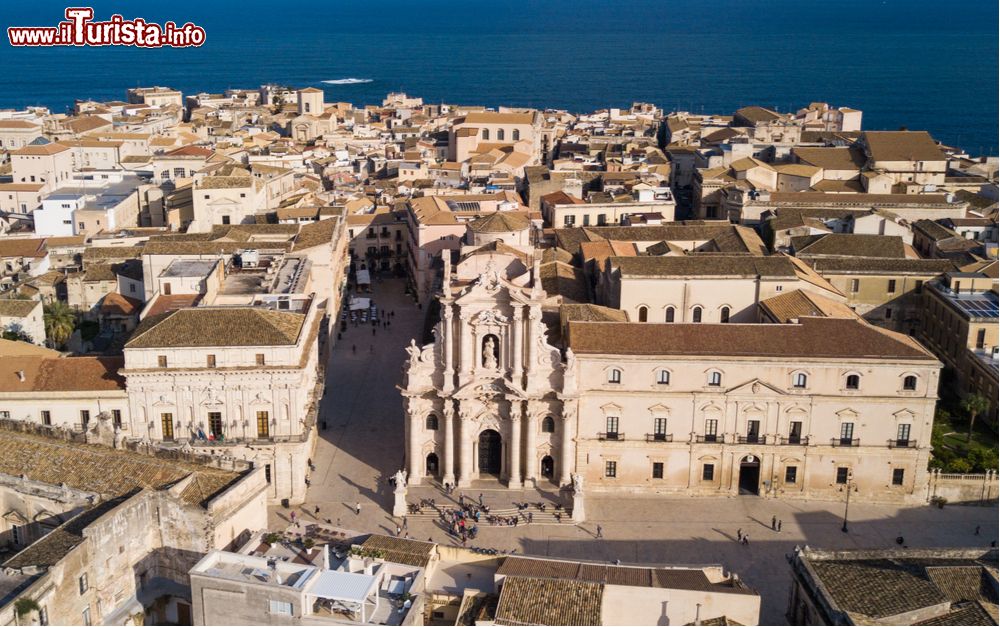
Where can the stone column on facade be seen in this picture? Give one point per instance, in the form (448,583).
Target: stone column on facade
(464,448)
(534,320)
(414,409)
(448,447)
(566,455)
(467,346)
(448,328)
(518,357)
(514,467)
(530,428)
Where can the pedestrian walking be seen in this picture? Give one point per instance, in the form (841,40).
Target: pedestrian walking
(480,499)
(399,531)
(746,539)
(373,330)
(739,535)
(774,523)
(404,523)
(293,517)
(354,349)
(357,509)
(779,525)
(316,512)
(977,530)
(600,532)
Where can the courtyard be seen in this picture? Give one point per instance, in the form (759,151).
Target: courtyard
(362,446)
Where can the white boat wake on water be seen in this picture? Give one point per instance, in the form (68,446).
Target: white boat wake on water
(348,81)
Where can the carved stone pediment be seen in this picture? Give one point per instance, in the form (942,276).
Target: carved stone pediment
(486,390)
(490,317)
(756,387)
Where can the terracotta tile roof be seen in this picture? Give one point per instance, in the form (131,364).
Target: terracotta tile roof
(850,245)
(105,471)
(47,551)
(821,338)
(704,265)
(529,601)
(831,158)
(44,373)
(902,146)
(16,308)
(164,303)
(801,304)
(41,149)
(18,124)
(316,234)
(401,550)
(13,247)
(500,222)
(114,304)
(223,326)
(872,265)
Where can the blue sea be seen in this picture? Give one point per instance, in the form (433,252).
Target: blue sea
(918,64)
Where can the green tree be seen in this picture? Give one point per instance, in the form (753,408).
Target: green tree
(60,322)
(974,405)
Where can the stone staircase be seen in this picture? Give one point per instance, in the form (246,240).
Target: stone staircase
(550,516)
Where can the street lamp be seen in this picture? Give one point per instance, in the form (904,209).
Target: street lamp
(847,503)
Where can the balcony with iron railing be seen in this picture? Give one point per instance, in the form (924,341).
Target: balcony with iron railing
(795,440)
(845,442)
(902,444)
(751,439)
(615,436)
(709,439)
(659,437)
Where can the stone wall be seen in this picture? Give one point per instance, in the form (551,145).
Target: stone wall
(981,489)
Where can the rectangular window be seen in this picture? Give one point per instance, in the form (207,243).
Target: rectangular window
(210,359)
(897,476)
(280,607)
(846,432)
(888,313)
(260,359)
(711,429)
(918,287)
(161,361)
(84,584)
(84,417)
(842,473)
(981,338)
(903,434)
(657,470)
(794,432)
(116,418)
(586,219)
(167,424)
(263,425)
(855,284)
(612,427)
(46,418)
(708,472)
(267,472)
(659,426)
(86,617)
(569,220)
(611,469)
(753,431)
(892,286)
(791,474)
(215,424)
(43,615)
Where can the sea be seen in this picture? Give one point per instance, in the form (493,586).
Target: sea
(915,64)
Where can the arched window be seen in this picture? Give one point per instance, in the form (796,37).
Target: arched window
(696,314)
(670,314)
(486,134)
(548,425)
(909,382)
(715,378)
(614,375)
(500,134)
(432,422)
(517,135)
(663,377)
(801,379)
(853,381)
(724,314)
(643,314)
